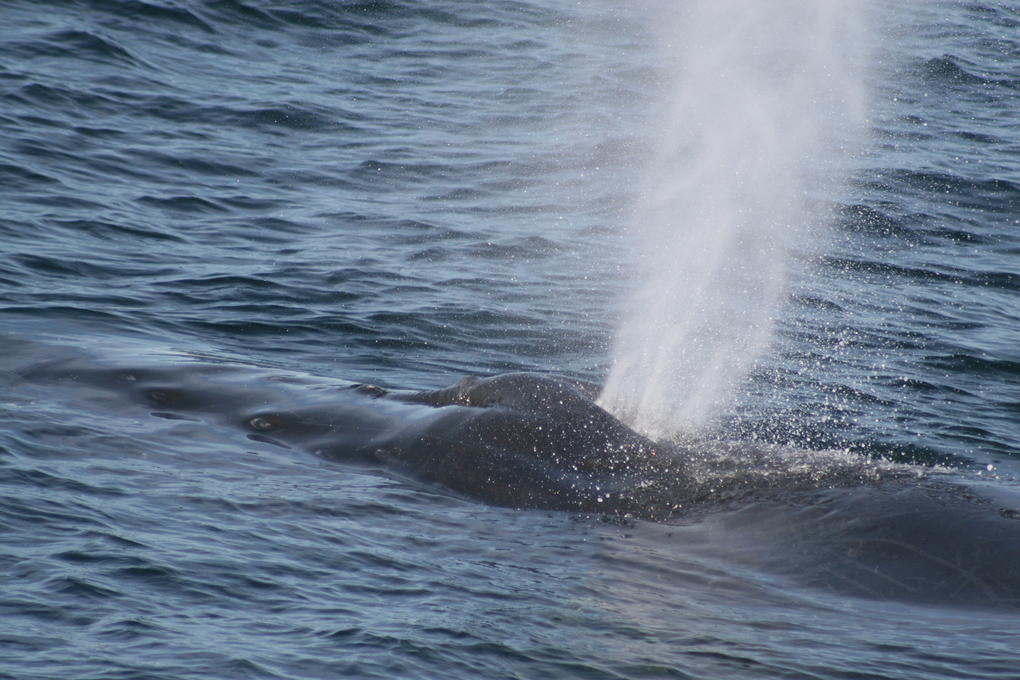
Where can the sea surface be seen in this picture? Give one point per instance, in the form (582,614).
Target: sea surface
(402,192)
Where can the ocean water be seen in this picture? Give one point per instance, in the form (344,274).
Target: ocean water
(304,195)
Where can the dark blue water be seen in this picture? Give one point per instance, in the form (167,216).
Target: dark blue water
(310,193)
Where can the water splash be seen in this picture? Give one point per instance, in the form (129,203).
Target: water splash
(754,97)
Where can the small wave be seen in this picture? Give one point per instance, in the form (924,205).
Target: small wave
(886,270)
(195,164)
(52,98)
(975,365)
(527,248)
(183,204)
(63,267)
(287,115)
(376,170)
(76,45)
(107,230)
(152,12)
(868,220)
(991,194)
(949,69)
(24,178)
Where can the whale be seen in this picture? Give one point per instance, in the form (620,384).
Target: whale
(520,440)
(834,520)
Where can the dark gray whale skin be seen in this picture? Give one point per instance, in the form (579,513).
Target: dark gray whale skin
(520,440)
(841,523)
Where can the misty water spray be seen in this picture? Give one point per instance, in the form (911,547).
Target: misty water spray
(758,101)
